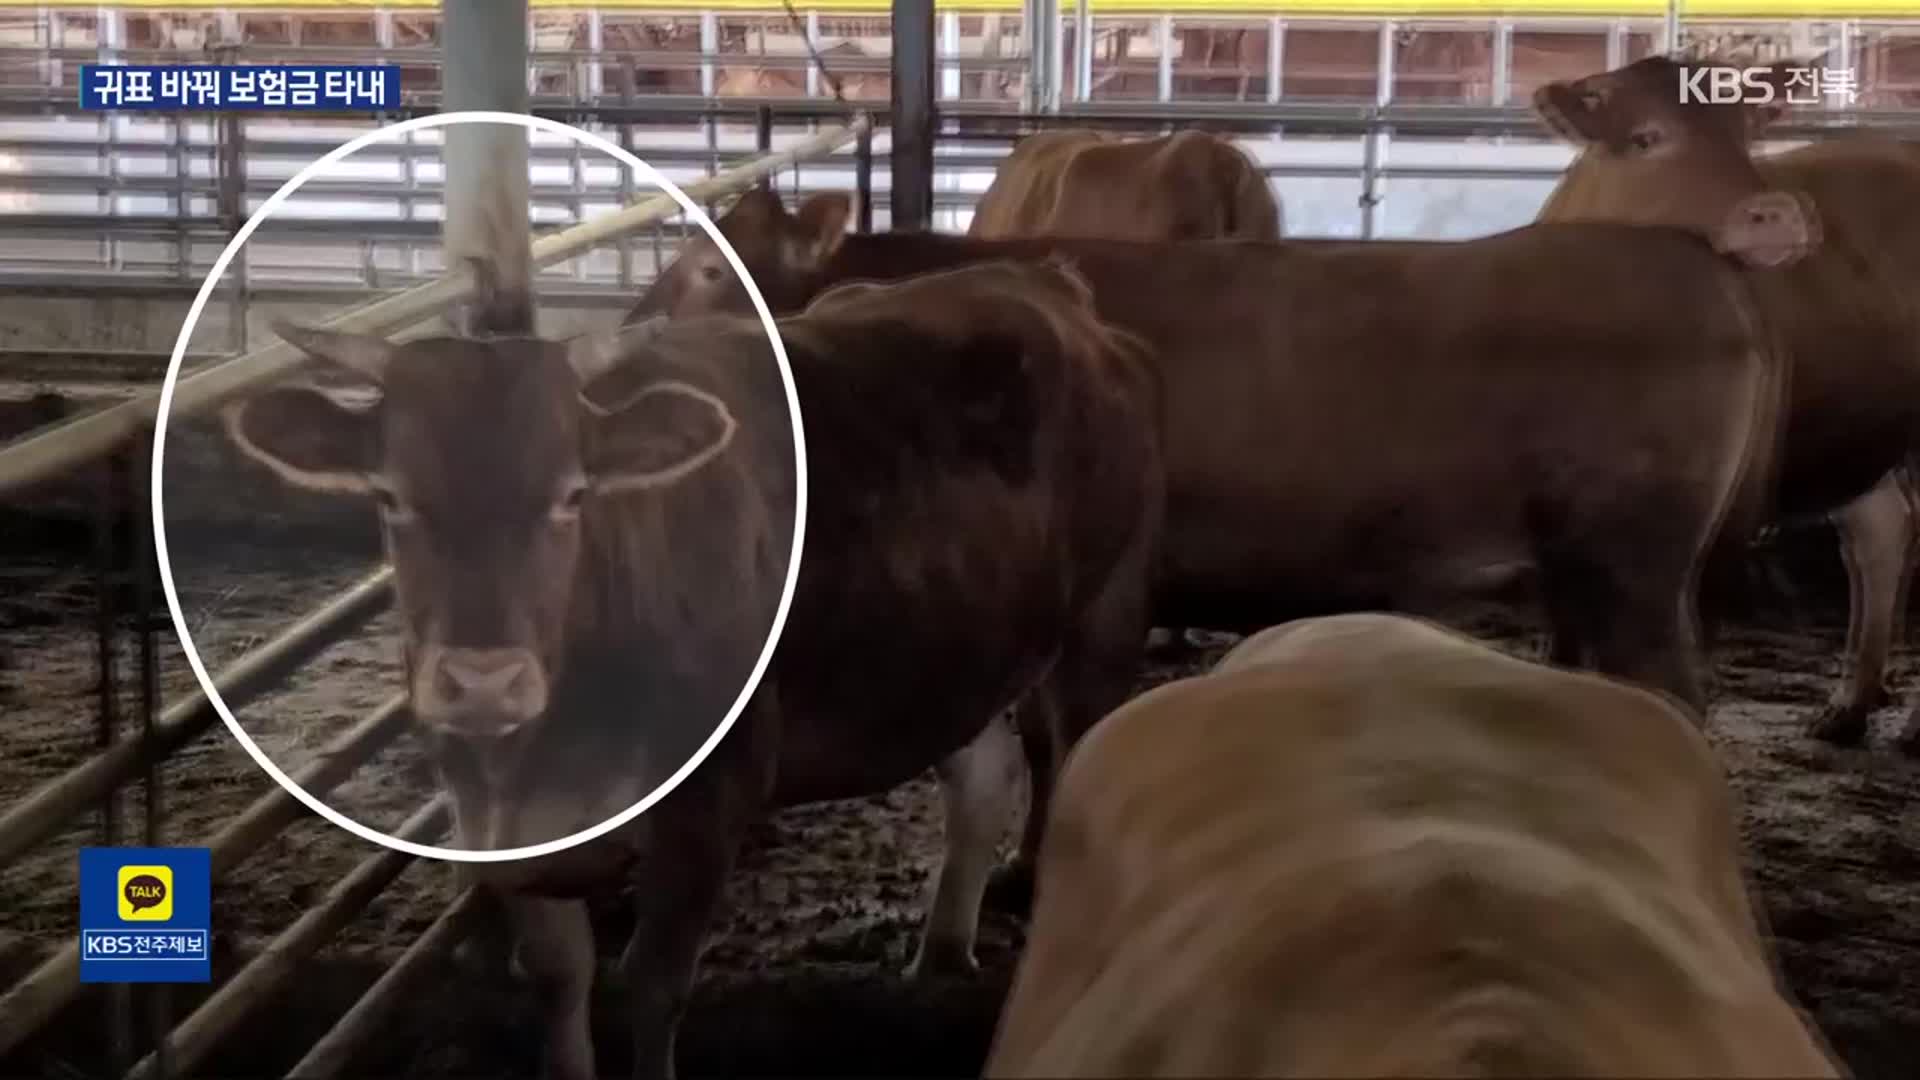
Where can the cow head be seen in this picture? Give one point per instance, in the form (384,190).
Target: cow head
(785,252)
(1655,157)
(488,464)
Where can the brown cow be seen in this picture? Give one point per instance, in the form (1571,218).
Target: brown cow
(1385,424)
(589,540)
(1367,846)
(1846,313)
(1190,185)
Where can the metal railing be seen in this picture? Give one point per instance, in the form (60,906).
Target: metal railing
(122,436)
(157,226)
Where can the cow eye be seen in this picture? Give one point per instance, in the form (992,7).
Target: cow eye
(1644,139)
(710,274)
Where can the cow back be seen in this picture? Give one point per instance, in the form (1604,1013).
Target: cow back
(1188,185)
(1368,847)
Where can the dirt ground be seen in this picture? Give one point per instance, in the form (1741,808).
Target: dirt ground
(803,978)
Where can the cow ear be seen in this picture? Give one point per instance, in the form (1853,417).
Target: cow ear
(821,223)
(1576,111)
(757,207)
(310,438)
(363,354)
(1772,228)
(657,437)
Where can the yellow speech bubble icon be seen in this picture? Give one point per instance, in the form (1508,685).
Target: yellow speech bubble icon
(146,893)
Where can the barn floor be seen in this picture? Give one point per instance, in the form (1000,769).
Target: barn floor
(803,979)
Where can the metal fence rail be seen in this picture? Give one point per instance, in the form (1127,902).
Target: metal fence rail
(120,434)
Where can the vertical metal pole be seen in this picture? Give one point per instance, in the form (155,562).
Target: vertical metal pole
(1842,60)
(231,165)
(596,45)
(1376,144)
(106,524)
(1502,88)
(763,142)
(1276,50)
(1617,45)
(863,179)
(1082,52)
(484,58)
(709,46)
(1166,57)
(1672,26)
(949,55)
(112,36)
(626,199)
(1056,55)
(134,470)
(813,39)
(913,115)
(182,205)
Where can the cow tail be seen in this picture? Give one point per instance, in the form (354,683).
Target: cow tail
(1749,502)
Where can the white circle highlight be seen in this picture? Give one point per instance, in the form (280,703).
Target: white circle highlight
(647,172)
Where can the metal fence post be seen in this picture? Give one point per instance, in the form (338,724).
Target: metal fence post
(106,624)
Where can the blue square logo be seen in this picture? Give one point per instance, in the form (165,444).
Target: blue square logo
(144,915)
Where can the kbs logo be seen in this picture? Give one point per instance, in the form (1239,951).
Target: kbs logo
(1719,85)
(146,893)
(1725,86)
(144,915)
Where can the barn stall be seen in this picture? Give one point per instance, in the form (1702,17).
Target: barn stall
(334,957)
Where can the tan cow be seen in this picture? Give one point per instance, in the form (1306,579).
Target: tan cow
(1368,425)
(589,541)
(1190,185)
(1847,313)
(1366,846)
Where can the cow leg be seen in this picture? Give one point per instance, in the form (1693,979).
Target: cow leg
(1650,635)
(489,939)
(1036,721)
(1569,623)
(696,833)
(554,943)
(977,785)
(1093,676)
(1876,542)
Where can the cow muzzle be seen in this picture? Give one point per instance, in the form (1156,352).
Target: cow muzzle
(479,691)
(1771,229)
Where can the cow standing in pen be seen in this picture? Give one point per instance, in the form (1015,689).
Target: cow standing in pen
(1847,314)
(589,540)
(1190,185)
(1585,410)
(1367,846)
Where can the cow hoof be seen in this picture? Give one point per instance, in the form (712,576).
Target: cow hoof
(1010,889)
(1841,725)
(943,960)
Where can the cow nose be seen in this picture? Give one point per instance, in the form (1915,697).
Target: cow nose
(481,691)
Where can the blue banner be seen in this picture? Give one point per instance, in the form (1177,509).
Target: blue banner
(239,87)
(145,914)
